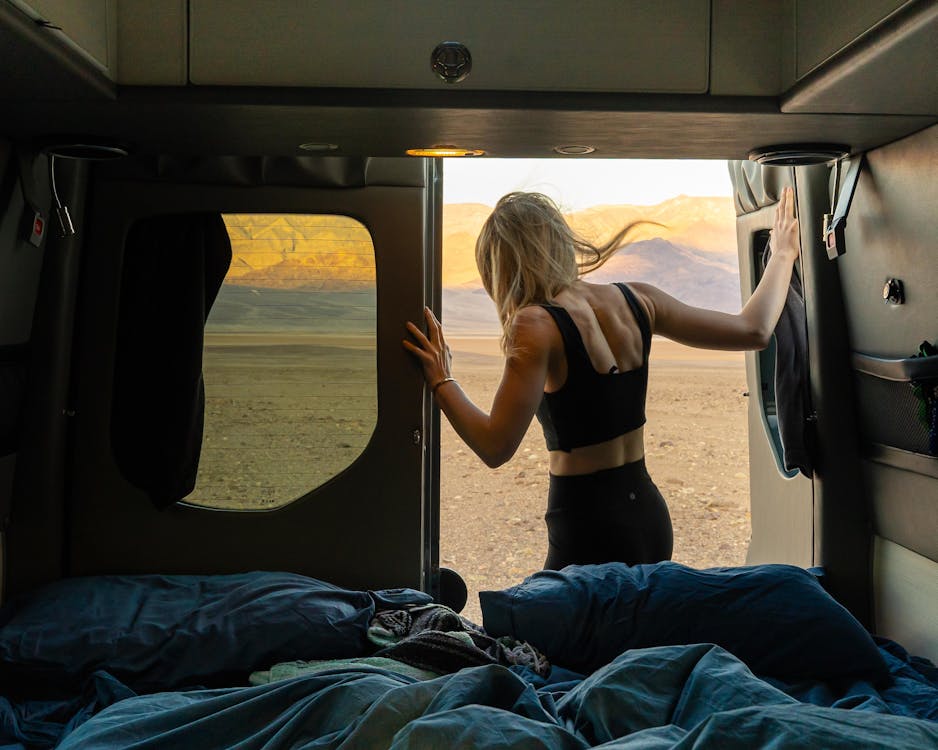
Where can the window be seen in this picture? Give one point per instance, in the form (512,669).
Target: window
(289,360)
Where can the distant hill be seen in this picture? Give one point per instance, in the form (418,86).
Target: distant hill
(692,257)
(691,275)
(242,309)
(316,274)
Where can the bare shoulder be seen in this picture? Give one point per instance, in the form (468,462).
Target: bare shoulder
(651,298)
(533,331)
(532,318)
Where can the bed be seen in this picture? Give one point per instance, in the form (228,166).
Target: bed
(652,656)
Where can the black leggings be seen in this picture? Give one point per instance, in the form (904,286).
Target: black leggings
(614,515)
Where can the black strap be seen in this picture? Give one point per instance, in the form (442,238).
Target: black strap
(572,340)
(835,226)
(639,313)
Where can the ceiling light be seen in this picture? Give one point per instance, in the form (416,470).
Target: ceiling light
(574,149)
(445,151)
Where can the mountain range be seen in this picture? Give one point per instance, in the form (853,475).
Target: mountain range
(690,253)
(326,273)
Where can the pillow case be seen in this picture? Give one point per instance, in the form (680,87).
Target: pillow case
(156,632)
(775,618)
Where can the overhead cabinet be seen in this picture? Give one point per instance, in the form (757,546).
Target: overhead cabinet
(823,29)
(541,45)
(88,25)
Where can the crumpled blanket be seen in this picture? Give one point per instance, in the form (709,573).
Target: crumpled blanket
(435,638)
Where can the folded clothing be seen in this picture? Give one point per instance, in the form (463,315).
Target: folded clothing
(435,638)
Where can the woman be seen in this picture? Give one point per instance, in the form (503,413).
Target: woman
(577,357)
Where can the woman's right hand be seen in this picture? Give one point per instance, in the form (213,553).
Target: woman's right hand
(432,351)
(786,236)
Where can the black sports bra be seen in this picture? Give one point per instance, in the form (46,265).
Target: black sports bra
(592,407)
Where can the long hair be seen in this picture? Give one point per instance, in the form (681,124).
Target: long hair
(527,254)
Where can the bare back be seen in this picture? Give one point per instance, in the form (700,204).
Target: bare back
(613,339)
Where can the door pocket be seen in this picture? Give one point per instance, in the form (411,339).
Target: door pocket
(898,410)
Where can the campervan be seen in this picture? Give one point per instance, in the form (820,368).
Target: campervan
(156,424)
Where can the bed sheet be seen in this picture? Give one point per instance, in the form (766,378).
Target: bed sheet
(696,696)
(489,692)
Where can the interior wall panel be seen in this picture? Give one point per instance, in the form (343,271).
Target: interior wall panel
(906,586)
(20,261)
(891,233)
(904,507)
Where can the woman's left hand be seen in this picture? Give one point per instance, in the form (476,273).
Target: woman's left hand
(432,352)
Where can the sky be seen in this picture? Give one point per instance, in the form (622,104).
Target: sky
(576,184)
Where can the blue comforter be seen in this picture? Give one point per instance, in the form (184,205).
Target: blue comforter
(695,696)
(153,661)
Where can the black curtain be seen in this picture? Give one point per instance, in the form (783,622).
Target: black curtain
(173,268)
(792,384)
(13,361)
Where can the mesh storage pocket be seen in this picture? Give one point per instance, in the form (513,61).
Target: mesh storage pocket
(891,413)
(897,401)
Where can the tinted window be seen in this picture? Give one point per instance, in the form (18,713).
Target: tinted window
(289,360)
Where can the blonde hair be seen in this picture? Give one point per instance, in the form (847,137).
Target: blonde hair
(527,254)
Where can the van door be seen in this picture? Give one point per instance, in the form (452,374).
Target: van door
(822,520)
(781,500)
(309,462)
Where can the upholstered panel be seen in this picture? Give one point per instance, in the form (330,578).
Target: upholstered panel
(906,599)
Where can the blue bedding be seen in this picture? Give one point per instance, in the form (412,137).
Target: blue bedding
(667,696)
(696,696)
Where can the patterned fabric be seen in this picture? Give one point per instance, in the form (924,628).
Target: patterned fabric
(434,638)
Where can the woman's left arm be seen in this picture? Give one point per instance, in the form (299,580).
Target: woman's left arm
(493,437)
(753,326)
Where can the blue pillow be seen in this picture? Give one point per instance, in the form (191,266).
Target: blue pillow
(775,618)
(156,632)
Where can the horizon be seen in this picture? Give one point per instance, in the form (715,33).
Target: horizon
(580,184)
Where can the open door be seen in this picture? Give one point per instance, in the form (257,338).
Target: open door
(781,499)
(305,459)
(822,519)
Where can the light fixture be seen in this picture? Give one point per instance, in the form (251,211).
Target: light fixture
(798,154)
(79,148)
(574,149)
(445,151)
(318,147)
(87,151)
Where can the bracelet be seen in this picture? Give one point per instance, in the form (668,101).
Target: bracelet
(438,383)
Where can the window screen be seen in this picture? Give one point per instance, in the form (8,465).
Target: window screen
(289,360)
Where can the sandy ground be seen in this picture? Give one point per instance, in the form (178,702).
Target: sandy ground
(274,402)
(492,526)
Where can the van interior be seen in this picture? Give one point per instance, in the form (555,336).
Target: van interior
(163,454)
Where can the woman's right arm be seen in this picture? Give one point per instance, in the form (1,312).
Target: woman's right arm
(752,327)
(493,437)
